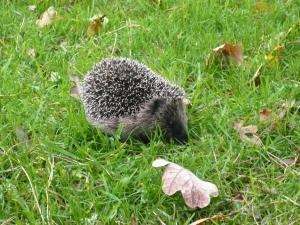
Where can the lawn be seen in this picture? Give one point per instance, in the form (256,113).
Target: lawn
(57,169)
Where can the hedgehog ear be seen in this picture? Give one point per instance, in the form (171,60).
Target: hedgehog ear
(156,104)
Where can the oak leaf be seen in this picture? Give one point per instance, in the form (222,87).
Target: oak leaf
(195,192)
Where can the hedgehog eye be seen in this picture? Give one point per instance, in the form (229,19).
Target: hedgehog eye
(171,122)
(157,103)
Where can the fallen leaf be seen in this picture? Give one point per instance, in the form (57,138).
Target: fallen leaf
(32,7)
(31,53)
(262,6)
(233,52)
(23,136)
(256,79)
(273,56)
(133,221)
(289,162)
(247,133)
(270,57)
(47,17)
(215,218)
(266,115)
(195,192)
(96,25)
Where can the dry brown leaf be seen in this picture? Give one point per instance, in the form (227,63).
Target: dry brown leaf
(32,7)
(96,25)
(289,162)
(266,115)
(233,52)
(215,218)
(247,133)
(195,192)
(31,53)
(256,79)
(133,221)
(47,17)
(23,135)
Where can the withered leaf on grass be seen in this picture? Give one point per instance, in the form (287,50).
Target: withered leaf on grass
(289,162)
(248,133)
(214,218)
(266,115)
(262,6)
(230,51)
(47,17)
(195,192)
(133,221)
(97,23)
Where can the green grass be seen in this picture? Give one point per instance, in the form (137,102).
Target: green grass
(70,172)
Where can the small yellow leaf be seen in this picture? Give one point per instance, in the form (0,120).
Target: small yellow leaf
(269,57)
(279,48)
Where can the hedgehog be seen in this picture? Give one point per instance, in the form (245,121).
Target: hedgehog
(121,93)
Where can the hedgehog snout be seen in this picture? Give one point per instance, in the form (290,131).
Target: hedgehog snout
(178,133)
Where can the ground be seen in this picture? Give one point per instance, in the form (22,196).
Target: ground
(55,168)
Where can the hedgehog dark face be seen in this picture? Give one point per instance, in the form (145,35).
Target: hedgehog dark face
(171,116)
